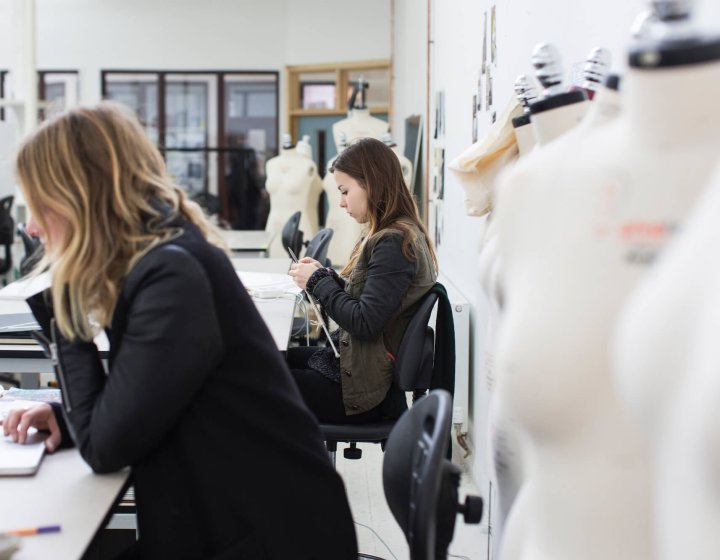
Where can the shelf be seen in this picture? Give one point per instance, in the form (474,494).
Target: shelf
(339,75)
(332,112)
(331,66)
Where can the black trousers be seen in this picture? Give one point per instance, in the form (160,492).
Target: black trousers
(323,396)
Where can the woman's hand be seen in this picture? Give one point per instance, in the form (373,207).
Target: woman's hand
(303,270)
(40,417)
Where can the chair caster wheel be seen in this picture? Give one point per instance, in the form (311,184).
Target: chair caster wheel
(352,453)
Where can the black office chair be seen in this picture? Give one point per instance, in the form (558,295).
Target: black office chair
(318,247)
(7,233)
(421,485)
(292,236)
(33,250)
(412,373)
(209,203)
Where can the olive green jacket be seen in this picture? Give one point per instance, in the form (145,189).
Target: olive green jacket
(373,310)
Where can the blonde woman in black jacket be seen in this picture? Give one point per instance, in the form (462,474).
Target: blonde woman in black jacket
(227,461)
(373,298)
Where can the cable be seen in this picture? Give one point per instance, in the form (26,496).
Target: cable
(461,438)
(378,538)
(300,302)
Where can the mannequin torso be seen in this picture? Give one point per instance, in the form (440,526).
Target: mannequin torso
(293,184)
(667,347)
(505,429)
(550,121)
(359,123)
(576,232)
(346,231)
(525,138)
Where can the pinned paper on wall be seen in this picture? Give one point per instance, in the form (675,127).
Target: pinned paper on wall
(437,174)
(439,226)
(478,107)
(439,114)
(474,118)
(484,43)
(488,89)
(493,36)
(439,165)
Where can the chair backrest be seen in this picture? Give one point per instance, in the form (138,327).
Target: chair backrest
(7,224)
(33,250)
(291,235)
(420,483)
(210,203)
(414,361)
(318,247)
(30,242)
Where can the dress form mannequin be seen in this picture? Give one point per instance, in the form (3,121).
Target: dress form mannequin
(303,147)
(405,163)
(666,345)
(346,231)
(476,169)
(359,124)
(293,184)
(596,67)
(504,447)
(522,125)
(672,390)
(558,113)
(576,233)
(558,110)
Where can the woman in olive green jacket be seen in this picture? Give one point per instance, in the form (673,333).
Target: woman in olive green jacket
(373,298)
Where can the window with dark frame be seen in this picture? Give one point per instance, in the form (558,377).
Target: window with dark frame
(57,90)
(202,121)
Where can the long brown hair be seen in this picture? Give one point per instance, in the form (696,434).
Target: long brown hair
(377,169)
(94,170)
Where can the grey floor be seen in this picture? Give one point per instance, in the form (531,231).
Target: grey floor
(363,481)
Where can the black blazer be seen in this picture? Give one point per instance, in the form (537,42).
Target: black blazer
(227,460)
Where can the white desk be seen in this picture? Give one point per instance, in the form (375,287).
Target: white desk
(248,240)
(254,264)
(277,310)
(64,491)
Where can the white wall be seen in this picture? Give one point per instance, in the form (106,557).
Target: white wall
(456,56)
(90,35)
(409,64)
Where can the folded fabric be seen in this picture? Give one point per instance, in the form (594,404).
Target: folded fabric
(477,168)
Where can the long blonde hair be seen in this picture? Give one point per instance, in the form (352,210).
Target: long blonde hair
(95,171)
(390,205)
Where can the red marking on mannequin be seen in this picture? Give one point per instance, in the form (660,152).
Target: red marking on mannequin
(645,231)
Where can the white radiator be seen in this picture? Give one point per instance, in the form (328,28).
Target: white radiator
(461,318)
